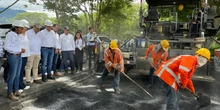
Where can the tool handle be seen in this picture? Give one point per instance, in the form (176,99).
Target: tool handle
(192,92)
(137,84)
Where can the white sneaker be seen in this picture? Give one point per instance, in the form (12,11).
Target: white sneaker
(27,87)
(20,91)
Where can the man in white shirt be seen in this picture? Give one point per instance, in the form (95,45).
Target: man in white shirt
(67,49)
(56,55)
(35,56)
(48,46)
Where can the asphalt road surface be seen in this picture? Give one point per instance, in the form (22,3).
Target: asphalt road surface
(86,96)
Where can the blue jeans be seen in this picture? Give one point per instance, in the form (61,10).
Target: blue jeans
(116,78)
(15,68)
(68,55)
(47,58)
(62,67)
(55,58)
(21,81)
(172,98)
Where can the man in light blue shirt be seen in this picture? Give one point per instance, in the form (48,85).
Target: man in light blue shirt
(91,45)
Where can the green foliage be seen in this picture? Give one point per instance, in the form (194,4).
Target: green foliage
(31,17)
(121,27)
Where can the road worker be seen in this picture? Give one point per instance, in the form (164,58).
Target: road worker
(114,62)
(159,54)
(177,72)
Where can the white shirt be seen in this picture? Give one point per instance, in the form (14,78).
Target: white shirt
(48,38)
(34,41)
(12,43)
(57,39)
(67,42)
(79,44)
(25,45)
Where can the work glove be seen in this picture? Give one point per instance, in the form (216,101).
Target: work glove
(180,84)
(114,66)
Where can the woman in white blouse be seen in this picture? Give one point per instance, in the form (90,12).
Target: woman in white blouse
(24,44)
(14,49)
(79,51)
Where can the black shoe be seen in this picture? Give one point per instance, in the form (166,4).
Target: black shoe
(44,78)
(149,86)
(50,77)
(73,72)
(66,72)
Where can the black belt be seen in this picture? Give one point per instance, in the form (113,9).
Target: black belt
(48,47)
(19,54)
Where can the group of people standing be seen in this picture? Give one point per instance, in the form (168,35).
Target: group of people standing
(25,48)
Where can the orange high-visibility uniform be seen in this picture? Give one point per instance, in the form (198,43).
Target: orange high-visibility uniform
(158,57)
(116,59)
(178,70)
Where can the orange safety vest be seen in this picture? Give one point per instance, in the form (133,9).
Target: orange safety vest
(109,60)
(158,57)
(178,70)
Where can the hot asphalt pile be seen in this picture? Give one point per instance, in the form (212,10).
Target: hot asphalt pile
(69,99)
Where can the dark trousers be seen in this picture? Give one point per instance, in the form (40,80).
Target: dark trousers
(79,59)
(91,51)
(68,55)
(21,81)
(54,66)
(6,71)
(151,75)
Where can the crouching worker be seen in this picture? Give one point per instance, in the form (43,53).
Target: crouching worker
(177,72)
(113,63)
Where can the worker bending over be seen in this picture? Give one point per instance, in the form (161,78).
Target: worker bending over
(177,72)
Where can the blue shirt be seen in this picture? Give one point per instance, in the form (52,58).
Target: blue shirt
(88,36)
(1,48)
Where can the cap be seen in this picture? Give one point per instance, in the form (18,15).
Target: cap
(25,23)
(66,28)
(17,23)
(37,25)
(48,23)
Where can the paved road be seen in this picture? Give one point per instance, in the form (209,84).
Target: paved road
(86,96)
(67,94)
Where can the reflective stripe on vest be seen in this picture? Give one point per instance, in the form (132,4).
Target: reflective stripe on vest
(176,78)
(106,53)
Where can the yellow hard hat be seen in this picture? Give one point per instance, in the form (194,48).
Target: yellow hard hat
(113,44)
(180,7)
(165,44)
(204,52)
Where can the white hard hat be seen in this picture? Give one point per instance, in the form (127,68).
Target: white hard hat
(48,23)
(25,23)
(17,23)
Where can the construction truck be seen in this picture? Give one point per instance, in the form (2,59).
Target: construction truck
(184,37)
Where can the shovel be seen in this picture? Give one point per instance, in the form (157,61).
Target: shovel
(202,99)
